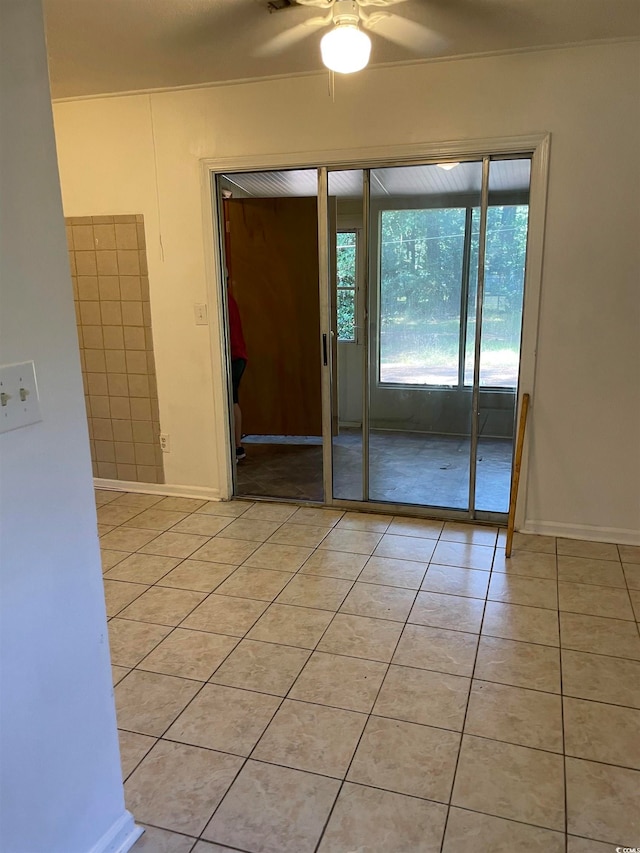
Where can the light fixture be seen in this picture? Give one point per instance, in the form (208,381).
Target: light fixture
(345,48)
(447,166)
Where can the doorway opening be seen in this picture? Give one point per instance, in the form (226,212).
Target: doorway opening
(383,311)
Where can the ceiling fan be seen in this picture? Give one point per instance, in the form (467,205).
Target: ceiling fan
(346,47)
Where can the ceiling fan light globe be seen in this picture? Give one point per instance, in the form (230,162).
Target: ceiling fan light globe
(345,49)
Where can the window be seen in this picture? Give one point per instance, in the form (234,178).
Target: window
(346,260)
(428,298)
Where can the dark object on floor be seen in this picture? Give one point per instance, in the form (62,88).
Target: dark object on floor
(240,453)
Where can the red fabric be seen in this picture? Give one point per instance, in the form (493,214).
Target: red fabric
(238,346)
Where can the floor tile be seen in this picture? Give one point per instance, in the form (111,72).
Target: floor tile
(210,847)
(118,673)
(177,787)
(499,778)
(361,637)
(615,637)
(381,821)
(422,696)
(368,521)
(103,529)
(127,539)
(406,758)
(424,528)
(316,516)
(311,737)
(112,558)
(531,564)
(133,748)
(400,547)
(339,681)
(232,509)
(180,504)
(291,626)
(202,525)
(142,568)
(471,534)
(249,582)
(334,564)
(484,832)
(285,558)
(629,553)
(588,571)
(223,614)
(595,600)
(105,496)
(301,535)
(250,528)
(190,654)
(533,542)
(599,732)
(517,622)
(390,572)
(222,550)
(266,511)
(265,667)
(155,519)
(452,652)
(593,550)
(130,641)
(315,591)
(515,715)
(148,703)
(157,840)
(224,718)
(196,574)
(469,583)
(518,664)
(134,499)
(601,678)
(175,545)
(632,575)
(351,541)
(379,602)
(163,606)
(118,594)
(587,845)
(536,592)
(453,612)
(274,810)
(463,555)
(634,595)
(116,514)
(602,802)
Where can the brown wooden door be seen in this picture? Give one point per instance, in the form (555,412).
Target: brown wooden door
(272,258)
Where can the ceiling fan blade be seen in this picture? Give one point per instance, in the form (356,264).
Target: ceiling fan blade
(320,4)
(406,33)
(379,2)
(292,36)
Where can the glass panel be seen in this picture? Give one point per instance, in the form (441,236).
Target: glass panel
(345,232)
(507,219)
(419,271)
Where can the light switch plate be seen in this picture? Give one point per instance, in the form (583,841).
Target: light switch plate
(19,401)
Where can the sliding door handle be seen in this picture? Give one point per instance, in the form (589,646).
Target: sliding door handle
(324,350)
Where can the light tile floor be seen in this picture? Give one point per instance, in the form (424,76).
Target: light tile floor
(293,679)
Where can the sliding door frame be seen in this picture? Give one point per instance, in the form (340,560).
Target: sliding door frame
(536,145)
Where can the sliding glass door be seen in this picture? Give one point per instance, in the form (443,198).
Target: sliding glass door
(426,270)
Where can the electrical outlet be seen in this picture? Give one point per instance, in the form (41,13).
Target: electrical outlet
(164,442)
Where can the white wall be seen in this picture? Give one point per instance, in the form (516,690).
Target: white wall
(584,471)
(61,788)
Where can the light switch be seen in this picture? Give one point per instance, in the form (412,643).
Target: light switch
(19,404)
(202,315)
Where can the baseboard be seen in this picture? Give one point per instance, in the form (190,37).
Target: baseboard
(618,535)
(120,837)
(205,493)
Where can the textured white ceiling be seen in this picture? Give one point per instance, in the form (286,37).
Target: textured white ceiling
(106,46)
